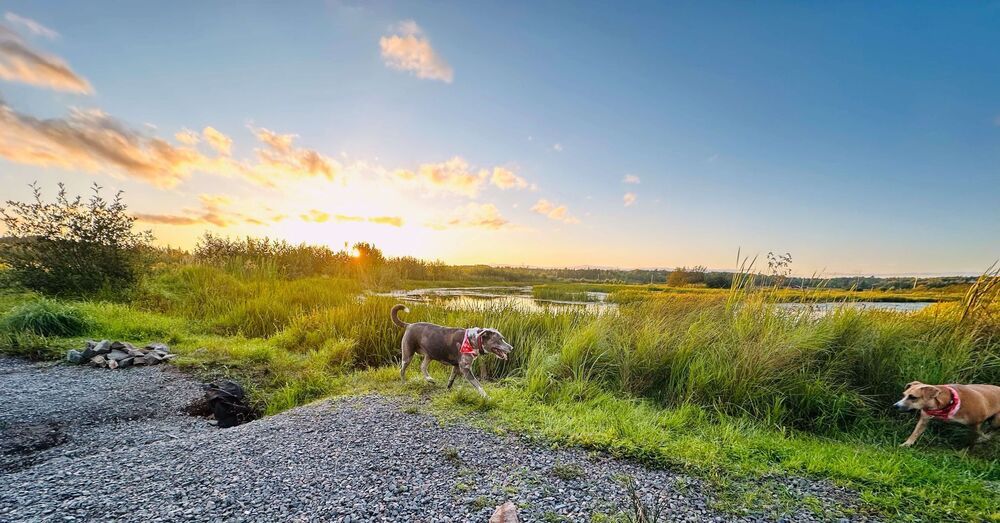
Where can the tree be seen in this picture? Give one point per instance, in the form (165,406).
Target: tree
(72,247)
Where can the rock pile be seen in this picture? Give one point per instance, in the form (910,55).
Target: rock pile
(119,354)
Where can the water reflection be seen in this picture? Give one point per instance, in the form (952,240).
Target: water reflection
(487,298)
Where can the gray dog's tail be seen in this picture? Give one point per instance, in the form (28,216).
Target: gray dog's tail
(395,319)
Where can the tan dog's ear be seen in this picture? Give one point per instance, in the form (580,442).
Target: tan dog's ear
(912,383)
(930,393)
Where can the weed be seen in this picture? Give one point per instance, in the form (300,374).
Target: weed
(567,471)
(46,317)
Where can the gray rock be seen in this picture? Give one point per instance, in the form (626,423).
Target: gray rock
(74,356)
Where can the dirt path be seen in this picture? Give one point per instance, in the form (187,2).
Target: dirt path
(87,444)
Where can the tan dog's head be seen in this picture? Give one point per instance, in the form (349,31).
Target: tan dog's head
(920,396)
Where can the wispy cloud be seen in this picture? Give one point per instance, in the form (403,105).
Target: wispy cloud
(506,179)
(19,62)
(629,198)
(557,147)
(554,211)
(279,160)
(473,215)
(214,210)
(31,25)
(631,178)
(408,49)
(220,142)
(452,176)
(394,221)
(187,137)
(315,216)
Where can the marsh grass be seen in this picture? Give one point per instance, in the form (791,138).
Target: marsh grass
(721,383)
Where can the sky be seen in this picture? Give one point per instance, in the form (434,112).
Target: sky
(861,137)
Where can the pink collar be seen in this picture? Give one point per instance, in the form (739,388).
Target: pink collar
(949,410)
(467,347)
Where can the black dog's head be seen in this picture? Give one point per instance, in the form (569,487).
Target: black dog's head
(490,340)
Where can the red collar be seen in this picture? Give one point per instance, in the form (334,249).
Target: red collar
(467,343)
(949,410)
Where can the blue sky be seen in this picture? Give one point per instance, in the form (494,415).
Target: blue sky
(861,137)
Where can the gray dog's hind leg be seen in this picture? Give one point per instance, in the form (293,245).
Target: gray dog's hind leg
(407,356)
(424,362)
(454,373)
(467,372)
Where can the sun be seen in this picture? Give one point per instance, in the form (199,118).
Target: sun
(354,252)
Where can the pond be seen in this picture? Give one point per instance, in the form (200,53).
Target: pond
(521,298)
(483,298)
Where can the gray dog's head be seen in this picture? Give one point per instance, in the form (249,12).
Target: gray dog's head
(490,340)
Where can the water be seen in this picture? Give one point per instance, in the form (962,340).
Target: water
(822,308)
(485,298)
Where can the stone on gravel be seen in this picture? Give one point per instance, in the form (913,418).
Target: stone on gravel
(506,513)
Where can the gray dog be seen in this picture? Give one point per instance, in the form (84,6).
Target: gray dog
(451,346)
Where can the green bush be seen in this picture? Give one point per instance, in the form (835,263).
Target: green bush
(71,247)
(45,317)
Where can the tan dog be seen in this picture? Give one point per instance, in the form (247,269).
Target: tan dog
(970,405)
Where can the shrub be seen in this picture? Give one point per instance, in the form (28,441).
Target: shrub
(71,247)
(46,317)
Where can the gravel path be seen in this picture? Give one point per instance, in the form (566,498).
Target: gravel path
(90,444)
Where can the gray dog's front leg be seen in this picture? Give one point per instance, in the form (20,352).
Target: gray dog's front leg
(454,374)
(424,362)
(467,372)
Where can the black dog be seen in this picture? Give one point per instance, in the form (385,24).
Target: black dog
(455,347)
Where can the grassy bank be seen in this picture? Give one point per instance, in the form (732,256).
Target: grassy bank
(730,390)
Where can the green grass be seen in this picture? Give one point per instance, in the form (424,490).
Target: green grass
(724,386)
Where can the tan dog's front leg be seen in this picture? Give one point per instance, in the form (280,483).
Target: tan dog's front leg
(917,431)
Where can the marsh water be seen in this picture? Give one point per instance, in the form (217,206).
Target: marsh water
(521,298)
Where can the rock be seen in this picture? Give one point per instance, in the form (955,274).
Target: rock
(126,362)
(506,513)
(122,345)
(103,347)
(99,361)
(112,364)
(74,356)
(117,355)
(159,347)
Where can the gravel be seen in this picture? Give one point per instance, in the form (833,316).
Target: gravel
(89,444)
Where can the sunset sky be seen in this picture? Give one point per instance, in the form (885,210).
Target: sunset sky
(864,138)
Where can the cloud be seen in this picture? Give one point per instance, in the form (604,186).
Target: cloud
(409,50)
(31,25)
(506,179)
(473,215)
(214,210)
(345,218)
(187,137)
(280,159)
(450,176)
(220,142)
(631,178)
(394,221)
(629,198)
(315,215)
(92,141)
(20,63)
(553,211)
(557,147)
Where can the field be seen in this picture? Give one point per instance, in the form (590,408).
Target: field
(717,382)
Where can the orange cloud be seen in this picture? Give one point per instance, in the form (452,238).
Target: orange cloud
(214,211)
(187,137)
(279,159)
(394,221)
(220,142)
(450,176)
(409,50)
(552,211)
(20,63)
(473,215)
(315,215)
(506,179)
(629,198)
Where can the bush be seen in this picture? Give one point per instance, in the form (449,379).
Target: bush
(46,317)
(71,247)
